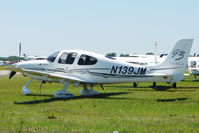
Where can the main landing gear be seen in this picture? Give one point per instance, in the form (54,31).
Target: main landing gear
(84,92)
(63,93)
(88,92)
(174,85)
(135,84)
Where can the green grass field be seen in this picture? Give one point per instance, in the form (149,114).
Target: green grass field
(120,108)
(1,68)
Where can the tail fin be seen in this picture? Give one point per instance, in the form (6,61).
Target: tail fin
(176,62)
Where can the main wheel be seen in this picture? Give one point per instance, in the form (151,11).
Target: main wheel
(174,85)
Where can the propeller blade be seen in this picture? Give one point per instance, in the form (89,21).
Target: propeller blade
(19,51)
(12,73)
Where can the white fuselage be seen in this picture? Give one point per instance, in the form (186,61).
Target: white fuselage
(105,70)
(76,66)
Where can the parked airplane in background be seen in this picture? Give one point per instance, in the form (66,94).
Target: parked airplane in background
(28,57)
(193,66)
(87,68)
(141,59)
(3,63)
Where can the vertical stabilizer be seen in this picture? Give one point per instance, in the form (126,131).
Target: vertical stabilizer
(176,62)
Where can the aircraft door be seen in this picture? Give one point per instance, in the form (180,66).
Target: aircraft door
(66,60)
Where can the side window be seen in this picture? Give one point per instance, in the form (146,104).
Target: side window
(67,58)
(52,57)
(62,58)
(71,57)
(87,60)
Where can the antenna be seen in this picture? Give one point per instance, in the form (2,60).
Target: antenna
(155,44)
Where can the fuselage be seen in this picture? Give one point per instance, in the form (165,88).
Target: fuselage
(91,67)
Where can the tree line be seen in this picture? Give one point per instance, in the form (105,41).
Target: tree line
(11,58)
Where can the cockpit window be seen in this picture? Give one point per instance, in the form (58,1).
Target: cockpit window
(193,64)
(67,58)
(87,60)
(52,57)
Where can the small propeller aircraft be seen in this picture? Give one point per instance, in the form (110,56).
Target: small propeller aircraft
(193,66)
(87,68)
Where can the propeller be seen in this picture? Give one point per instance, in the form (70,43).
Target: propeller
(12,73)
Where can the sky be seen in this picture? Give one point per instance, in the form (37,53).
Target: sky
(101,26)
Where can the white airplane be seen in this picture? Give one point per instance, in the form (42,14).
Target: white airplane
(193,66)
(3,63)
(87,68)
(141,59)
(28,57)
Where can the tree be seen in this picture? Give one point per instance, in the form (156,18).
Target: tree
(111,54)
(11,58)
(124,55)
(149,53)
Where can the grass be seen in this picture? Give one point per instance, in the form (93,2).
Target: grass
(1,67)
(120,108)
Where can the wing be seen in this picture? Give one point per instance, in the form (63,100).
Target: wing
(50,75)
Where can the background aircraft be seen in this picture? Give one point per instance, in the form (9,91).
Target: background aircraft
(142,59)
(193,66)
(87,68)
(28,57)
(3,63)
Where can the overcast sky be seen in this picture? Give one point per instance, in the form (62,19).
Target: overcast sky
(102,26)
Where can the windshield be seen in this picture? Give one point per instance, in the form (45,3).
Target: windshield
(52,57)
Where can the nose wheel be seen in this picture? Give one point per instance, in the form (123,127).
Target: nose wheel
(25,90)
(194,78)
